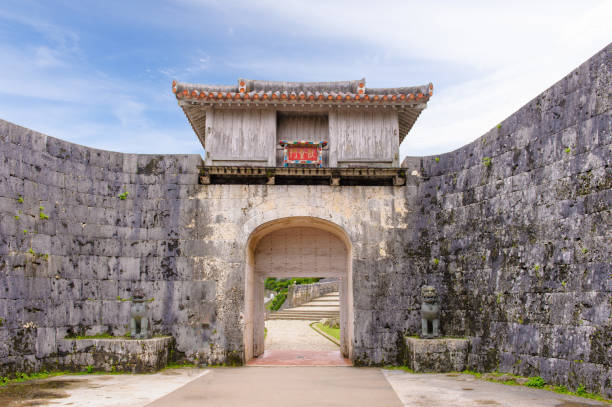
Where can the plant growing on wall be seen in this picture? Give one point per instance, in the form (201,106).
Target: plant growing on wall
(486,161)
(123,196)
(41,214)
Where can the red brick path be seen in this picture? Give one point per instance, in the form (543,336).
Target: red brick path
(300,358)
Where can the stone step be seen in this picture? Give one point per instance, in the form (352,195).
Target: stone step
(316,305)
(297,318)
(301,314)
(307,315)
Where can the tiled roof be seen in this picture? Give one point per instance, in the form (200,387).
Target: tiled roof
(330,92)
(247,93)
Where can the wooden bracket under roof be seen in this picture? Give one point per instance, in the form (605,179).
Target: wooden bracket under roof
(302,176)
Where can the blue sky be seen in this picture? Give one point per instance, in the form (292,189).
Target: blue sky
(99,73)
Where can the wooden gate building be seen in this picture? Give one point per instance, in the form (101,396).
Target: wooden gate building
(301,132)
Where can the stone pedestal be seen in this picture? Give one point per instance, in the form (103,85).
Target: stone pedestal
(119,355)
(436,355)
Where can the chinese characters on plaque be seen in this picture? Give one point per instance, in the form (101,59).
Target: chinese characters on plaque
(302,152)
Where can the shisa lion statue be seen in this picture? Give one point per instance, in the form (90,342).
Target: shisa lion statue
(430,313)
(139,321)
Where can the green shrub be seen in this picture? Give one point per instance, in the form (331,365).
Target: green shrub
(124,195)
(536,381)
(278,300)
(486,161)
(277,285)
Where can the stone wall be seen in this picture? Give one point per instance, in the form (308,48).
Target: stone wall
(516,231)
(115,355)
(72,250)
(302,293)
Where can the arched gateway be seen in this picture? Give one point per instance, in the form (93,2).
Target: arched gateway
(296,247)
(309,164)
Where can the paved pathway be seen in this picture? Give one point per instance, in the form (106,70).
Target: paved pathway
(285,386)
(295,335)
(295,343)
(300,358)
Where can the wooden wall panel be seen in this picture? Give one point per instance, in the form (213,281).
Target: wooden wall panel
(364,137)
(241,137)
(300,252)
(298,126)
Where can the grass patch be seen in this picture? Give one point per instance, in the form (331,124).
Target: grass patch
(106,335)
(179,365)
(25,377)
(404,368)
(333,332)
(536,382)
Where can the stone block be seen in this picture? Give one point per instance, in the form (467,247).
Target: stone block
(436,355)
(122,355)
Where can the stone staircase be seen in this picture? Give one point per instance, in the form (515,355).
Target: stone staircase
(326,306)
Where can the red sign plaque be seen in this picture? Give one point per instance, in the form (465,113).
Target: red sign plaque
(302,152)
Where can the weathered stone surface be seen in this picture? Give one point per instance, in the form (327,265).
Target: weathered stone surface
(436,355)
(114,355)
(515,231)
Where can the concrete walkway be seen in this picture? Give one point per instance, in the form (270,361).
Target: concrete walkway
(462,390)
(291,386)
(285,386)
(124,390)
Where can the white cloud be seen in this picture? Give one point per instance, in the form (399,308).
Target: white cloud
(515,50)
(506,52)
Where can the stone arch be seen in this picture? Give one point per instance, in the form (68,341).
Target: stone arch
(339,264)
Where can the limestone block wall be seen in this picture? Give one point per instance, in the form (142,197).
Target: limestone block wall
(516,230)
(72,251)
